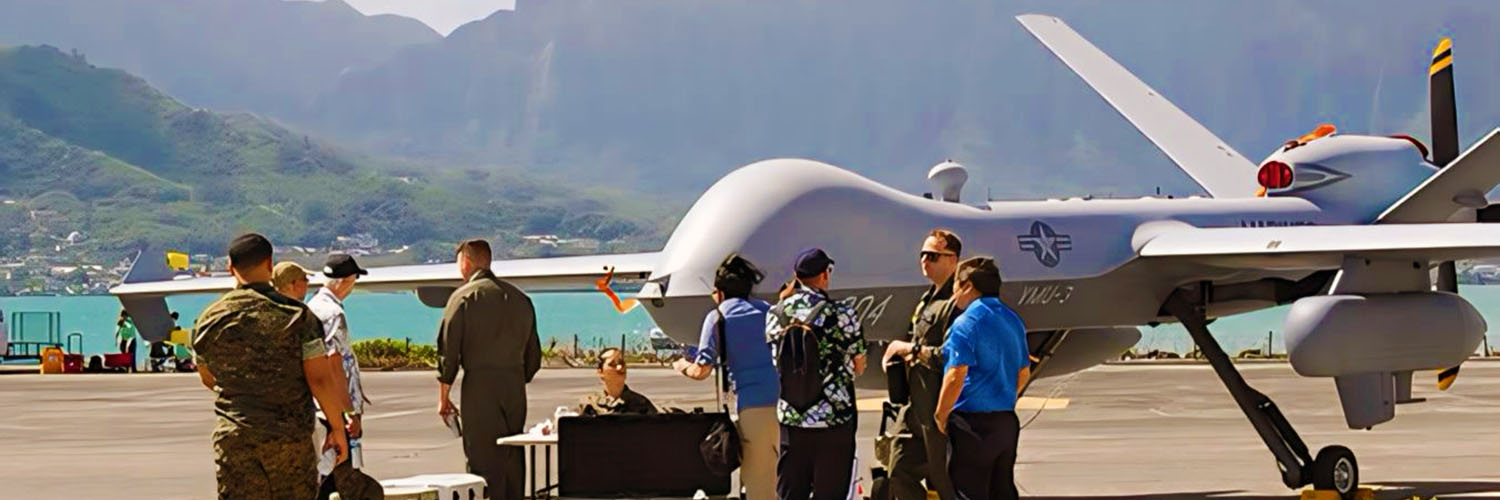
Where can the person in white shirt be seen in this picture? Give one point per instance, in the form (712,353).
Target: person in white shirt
(341,272)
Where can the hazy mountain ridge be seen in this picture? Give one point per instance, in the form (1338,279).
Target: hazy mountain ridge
(673,93)
(266,56)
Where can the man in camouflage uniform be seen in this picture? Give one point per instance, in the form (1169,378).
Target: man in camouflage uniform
(263,355)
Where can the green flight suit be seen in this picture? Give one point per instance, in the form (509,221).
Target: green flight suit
(924,455)
(489,330)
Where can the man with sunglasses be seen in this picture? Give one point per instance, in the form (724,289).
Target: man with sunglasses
(923,455)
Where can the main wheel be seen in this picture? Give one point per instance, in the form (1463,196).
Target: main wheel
(1335,469)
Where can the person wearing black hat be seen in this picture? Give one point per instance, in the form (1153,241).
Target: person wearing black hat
(733,338)
(340,272)
(816,407)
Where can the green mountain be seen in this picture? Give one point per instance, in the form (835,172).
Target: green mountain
(266,56)
(100,151)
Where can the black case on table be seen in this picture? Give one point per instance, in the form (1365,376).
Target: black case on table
(622,456)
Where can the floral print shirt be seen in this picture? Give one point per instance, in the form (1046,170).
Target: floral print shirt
(840,342)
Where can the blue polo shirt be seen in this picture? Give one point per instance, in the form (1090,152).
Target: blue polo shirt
(990,339)
(751,374)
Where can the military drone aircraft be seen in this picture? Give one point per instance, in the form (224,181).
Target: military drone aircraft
(1358,233)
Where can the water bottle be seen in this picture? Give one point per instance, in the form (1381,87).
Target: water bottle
(356,456)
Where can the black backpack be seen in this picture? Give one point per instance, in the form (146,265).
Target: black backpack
(721,447)
(797,361)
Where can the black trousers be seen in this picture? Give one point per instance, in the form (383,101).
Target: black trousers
(815,462)
(982,454)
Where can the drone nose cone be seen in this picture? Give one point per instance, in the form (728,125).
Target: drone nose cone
(738,214)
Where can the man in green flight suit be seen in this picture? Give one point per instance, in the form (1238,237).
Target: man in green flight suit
(924,454)
(263,355)
(488,330)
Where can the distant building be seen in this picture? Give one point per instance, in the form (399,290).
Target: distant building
(365,241)
(550,240)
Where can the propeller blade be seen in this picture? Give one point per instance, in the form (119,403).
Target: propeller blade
(1447,377)
(1444,115)
(1443,111)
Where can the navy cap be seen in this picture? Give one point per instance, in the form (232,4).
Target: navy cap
(812,262)
(342,265)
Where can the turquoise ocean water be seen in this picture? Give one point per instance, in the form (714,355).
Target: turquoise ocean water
(590,318)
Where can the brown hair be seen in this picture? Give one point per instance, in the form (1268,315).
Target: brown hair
(982,273)
(475,249)
(950,241)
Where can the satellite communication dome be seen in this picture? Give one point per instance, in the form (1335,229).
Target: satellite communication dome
(948,180)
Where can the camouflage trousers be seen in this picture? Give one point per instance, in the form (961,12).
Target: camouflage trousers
(261,467)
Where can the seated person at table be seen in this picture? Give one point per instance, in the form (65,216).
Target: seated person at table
(615,397)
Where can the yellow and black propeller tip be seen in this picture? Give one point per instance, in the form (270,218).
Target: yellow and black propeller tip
(1446,378)
(1442,108)
(1442,56)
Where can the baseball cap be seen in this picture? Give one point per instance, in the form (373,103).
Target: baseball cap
(287,272)
(342,265)
(812,262)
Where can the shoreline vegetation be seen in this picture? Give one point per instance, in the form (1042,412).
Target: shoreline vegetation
(389,354)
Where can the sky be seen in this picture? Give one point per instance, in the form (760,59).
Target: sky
(442,15)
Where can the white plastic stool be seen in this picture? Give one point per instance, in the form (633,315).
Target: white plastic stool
(404,493)
(448,486)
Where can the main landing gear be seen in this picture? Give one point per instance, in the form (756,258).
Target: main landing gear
(1333,469)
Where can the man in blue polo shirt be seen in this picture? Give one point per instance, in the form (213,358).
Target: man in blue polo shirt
(986,363)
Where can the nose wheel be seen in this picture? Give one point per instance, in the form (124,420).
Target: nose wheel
(1335,469)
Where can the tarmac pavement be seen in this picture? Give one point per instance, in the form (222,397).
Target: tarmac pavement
(1135,430)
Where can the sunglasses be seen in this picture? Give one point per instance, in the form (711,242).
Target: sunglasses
(927,255)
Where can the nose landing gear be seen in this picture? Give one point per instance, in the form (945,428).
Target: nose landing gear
(1334,469)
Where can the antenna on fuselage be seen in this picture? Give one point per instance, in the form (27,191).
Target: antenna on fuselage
(948,180)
